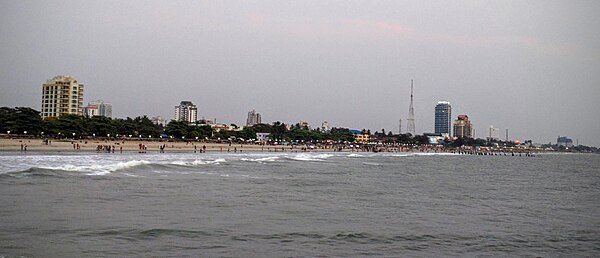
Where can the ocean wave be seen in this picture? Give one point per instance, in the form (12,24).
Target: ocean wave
(98,169)
(354,155)
(435,154)
(262,160)
(198,162)
(413,154)
(31,172)
(310,157)
(150,233)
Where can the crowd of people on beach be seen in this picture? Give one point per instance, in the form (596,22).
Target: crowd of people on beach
(107,148)
(201,147)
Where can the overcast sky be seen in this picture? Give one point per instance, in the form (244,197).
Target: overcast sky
(530,66)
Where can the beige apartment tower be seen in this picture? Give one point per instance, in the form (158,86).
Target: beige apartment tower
(61,95)
(463,127)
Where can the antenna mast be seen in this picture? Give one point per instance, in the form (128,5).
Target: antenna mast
(400,126)
(411,112)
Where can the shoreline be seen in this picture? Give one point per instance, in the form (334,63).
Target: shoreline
(145,146)
(68,146)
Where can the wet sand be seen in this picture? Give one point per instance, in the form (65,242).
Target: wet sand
(38,145)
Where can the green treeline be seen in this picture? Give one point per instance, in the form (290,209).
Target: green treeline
(27,121)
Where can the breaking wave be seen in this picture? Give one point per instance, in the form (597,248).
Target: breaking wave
(262,160)
(197,162)
(100,169)
(310,157)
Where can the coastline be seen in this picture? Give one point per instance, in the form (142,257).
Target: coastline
(92,146)
(37,145)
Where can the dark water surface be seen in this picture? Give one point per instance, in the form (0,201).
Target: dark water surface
(281,205)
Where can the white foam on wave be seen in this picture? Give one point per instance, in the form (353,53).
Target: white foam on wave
(310,157)
(98,169)
(354,155)
(402,155)
(262,160)
(198,162)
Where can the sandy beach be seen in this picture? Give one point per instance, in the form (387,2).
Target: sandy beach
(39,145)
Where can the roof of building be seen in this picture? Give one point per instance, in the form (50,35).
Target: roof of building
(61,78)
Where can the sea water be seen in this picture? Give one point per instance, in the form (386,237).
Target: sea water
(298,204)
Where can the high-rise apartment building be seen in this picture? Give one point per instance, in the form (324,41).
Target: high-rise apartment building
(187,112)
(463,127)
(443,118)
(325,127)
(98,108)
(61,95)
(253,118)
(493,133)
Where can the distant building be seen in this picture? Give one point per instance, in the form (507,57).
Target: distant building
(360,136)
(187,112)
(61,95)
(303,124)
(262,137)
(325,127)
(158,120)
(463,127)
(204,121)
(564,142)
(443,118)
(435,138)
(98,108)
(493,133)
(253,118)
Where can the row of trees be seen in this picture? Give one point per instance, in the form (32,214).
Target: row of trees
(23,120)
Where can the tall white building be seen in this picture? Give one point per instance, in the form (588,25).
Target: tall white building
(186,111)
(98,108)
(253,118)
(158,120)
(493,133)
(61,95)
(325,127)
